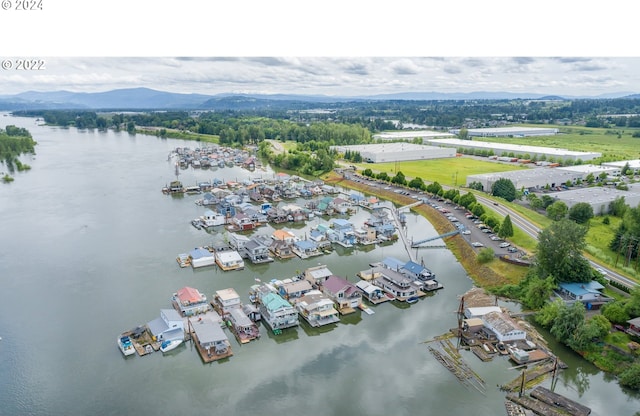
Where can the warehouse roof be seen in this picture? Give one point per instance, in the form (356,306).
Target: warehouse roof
(515,148)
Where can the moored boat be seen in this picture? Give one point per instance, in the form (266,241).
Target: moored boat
(169,345)
(125,345)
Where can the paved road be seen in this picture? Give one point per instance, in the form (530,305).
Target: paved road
(517,220)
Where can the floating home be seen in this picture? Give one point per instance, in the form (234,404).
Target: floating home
(276,312)
(373,293)
(189,301)
(229,260)
(344,294)
(210,340)
(317,309)
(168,326)
(244,329)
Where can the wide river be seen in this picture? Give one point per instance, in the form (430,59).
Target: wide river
(88,251)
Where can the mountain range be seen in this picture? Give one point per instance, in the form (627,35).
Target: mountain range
(149,99)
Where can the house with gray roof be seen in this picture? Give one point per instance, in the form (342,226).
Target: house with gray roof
(168,326)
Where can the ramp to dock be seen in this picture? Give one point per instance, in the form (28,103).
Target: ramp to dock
(419,242)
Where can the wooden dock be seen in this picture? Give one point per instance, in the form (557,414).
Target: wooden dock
(530,375)
(451,359)
(569,406)
(536,406)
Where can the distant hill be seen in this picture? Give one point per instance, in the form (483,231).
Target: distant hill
(149,99)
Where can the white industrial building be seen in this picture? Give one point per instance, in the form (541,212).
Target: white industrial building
(517,150)
(596,170)
(633,164)
(599,197)
(508,132)
(411,134)
(397,152)
(530,179)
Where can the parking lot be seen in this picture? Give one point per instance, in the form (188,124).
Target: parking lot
(471,228)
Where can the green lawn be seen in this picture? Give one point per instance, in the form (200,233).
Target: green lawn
(450,171)
(585,139)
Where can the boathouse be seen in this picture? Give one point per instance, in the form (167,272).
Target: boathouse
(503,326)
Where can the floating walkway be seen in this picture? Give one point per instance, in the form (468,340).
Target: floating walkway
(416,244)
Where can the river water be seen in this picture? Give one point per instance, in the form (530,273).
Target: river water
(88,251)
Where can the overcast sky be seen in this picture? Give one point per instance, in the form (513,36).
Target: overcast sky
(310,47)
(337,76)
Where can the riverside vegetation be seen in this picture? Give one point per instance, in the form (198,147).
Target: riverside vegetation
(590,336)
(15,141)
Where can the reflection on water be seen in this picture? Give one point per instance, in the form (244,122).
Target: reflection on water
(90,252)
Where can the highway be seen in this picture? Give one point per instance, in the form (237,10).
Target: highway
(517,220)
(533,231)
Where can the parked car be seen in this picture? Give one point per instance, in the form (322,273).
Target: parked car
(477,244)
(504,245)
(512,249)
(466,232)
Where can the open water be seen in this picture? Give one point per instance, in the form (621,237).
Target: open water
(88,247)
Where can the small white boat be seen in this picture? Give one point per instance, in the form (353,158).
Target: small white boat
(167,346)
(125,345)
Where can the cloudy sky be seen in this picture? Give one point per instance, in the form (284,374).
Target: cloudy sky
(333,47)
(337,76)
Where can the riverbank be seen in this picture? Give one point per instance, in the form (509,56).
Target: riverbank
(488,276)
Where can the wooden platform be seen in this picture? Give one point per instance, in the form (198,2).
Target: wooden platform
(571,407)
(209,357)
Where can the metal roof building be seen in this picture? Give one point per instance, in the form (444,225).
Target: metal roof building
(532,179)
(411,134)
(397,152)
(518,150)
(599,197)
(509,132)
(633,164)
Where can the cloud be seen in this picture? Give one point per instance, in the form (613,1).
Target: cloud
(404,67)
(523,60)
(571,59)
(452,69)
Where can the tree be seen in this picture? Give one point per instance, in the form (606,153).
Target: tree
(467,199)
(581,212)
(549,312)
(463,134)
(417,183)
(399,179)
(559,252)
(590,178)
(615,312)
(595,328)
(504,188)
(506,228)
(617,207)
(478,186)
(568,322)
(631,377)
(485,255)
(557,210)
(538,291)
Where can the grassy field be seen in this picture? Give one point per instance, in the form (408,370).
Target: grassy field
(450,171)
(585,139)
